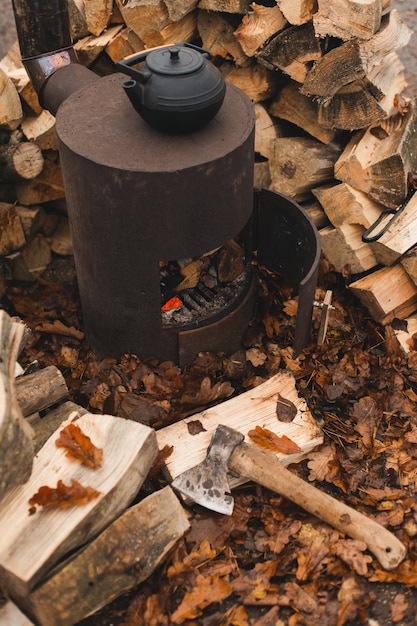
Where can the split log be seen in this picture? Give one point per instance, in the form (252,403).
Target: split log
(343,204)
(25,88)
(177,9)
(11,615)
(379,160)
(258,406)
(12,236)
(16,447)
(255,81)
(32,219)
(23,161)
(261,175)
(144,16)
(399,237)
(316,213)
(41,389)
(97,15)
(388,293)
(354,59)
(33,543)
(299,164)
(297,12)
(120,46)
(367,101)
(32,260)
(61,242)
(123,556)
(89,48)
(346,19)
(258,26)
(44,427)
(41,130)
(409,263)
(11,111)
(78,21)
(292,51)
(266,131)
(225,6)
(293,106)
(343,248)
(46,187)
(3,283)
(217,35)
(184,29)
(406,337)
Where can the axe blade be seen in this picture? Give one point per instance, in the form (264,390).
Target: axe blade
(207,483)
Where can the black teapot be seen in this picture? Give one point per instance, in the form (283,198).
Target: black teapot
(176,89)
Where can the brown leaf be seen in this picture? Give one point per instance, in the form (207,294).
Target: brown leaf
(351,552)
(270,441)
(195,427)
(367,417)
(207,591)
(208,393)
(58,328)
(318,463)
(79,446)
(63,496)
(398,608)
(286,410)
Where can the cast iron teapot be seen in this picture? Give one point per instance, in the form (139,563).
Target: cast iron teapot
(176,89)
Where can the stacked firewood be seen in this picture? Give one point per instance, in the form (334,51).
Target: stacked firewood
(333,130)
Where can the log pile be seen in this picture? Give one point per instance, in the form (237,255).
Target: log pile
(325,79)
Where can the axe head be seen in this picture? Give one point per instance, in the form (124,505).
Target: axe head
(207,483)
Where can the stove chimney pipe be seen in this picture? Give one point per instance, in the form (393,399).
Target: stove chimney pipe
(43,30)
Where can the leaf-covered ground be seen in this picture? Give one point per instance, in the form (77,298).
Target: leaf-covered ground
(271,563)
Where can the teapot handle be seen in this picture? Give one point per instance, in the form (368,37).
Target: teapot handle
(125,65)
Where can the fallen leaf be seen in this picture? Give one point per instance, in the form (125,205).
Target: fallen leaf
(58,328)
(270,441)
(318,462)
(206,591)
(208,393)
(79,446)
(63,496)
(398,608)
(286,410)
(195,427)
(351,552)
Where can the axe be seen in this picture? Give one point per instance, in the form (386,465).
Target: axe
(207,484)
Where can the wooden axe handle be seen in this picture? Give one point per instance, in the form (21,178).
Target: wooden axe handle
(264,468)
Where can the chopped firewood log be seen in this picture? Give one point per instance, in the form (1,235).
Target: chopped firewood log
(387,293)
(299,164)
(184,29)
(266,131)
(11,111)
(346,19)
(379,160)
(297,11)
(44,427)
(11,615)
(367,101)
(291,105)
(16,446)
(225,6)
(3,283)
(230,262)
(409,263)
(398,237)
(25,88)
(89,48)
(316,213)
(258,26)
(343,248)
(343,204)
(261,175)
(255,81)
(120,46)
(40,389)
(124,555)
(33,543)
(354,59)
(12,236)
(41,130)
(217,35)
(144,16)
(23,161)
(61,242)
(97,15)
(78,21)
(32,219)
(47,186)
(32,260)
(177,9)
(292,51)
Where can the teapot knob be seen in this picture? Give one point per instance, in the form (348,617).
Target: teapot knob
(174,53)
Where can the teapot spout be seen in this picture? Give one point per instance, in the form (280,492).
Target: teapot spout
(43,30)
(134,92)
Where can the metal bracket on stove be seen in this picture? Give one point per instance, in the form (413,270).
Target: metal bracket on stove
(287,242)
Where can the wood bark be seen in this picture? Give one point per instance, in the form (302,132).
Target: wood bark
(32,544)
(97,15)
(23,161)
(41,389)
(16,447)
(225,6)
(177,9)
(47,186)
(217,35)
(122,556)
(387,293)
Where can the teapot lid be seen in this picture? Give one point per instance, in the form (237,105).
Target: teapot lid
(174,60)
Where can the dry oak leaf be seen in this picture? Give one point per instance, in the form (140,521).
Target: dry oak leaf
(208,393)
(398,608)
(207,591)
(194,559)
(351,552)
(58,328)
(79,446)
(63,496)
(270,441)
(319,461)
